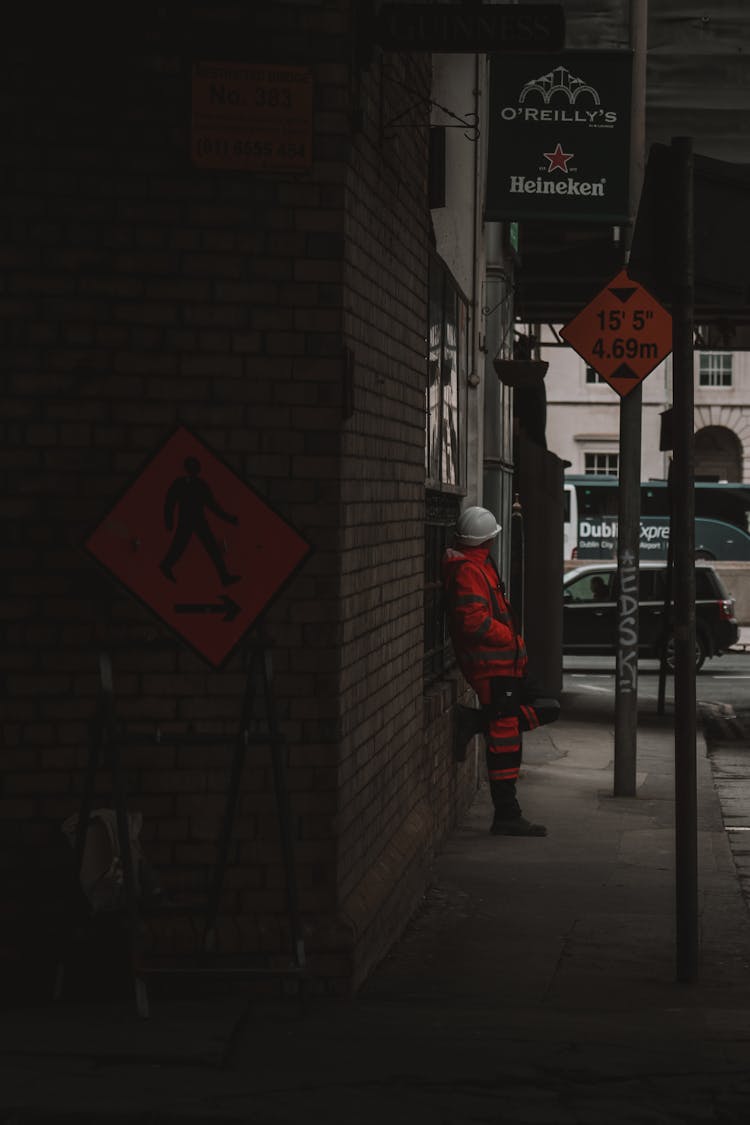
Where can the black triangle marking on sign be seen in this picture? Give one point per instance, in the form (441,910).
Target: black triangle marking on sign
(624,294)
(624,372)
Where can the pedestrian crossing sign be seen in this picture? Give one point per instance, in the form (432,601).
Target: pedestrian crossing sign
(198,546)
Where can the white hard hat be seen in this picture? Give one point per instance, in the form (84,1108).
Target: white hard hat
(476,525)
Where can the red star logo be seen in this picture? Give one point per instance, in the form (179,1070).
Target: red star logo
(558,158)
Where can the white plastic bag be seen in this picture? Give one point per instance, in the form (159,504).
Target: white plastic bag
(101,873)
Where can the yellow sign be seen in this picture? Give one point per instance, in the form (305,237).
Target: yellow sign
(254,117)
(623,333)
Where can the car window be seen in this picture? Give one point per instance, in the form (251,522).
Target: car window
(652,585)
(646,585)
(704,586)
(594,587)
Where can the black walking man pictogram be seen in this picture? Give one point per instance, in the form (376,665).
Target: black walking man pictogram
(191,496)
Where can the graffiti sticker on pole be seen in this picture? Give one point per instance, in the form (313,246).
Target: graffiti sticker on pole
(198,546)
(623,333)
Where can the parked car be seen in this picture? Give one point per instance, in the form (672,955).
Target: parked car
(590,612)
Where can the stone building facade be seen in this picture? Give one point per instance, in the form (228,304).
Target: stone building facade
(583,414)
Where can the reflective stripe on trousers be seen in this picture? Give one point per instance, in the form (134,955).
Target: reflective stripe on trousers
(503,741)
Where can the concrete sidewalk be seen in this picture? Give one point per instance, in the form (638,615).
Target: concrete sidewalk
(536,984)
(742,643)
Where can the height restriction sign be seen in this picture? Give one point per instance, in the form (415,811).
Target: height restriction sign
(198,546)
(624,333)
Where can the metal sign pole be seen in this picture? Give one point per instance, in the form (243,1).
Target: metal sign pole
(278,744)
(686,811)
(208,943)
(259,662)
(666,627)
(629,511)
(628,536)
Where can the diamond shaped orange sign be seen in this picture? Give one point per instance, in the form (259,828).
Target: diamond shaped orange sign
(198,546)
(623,333)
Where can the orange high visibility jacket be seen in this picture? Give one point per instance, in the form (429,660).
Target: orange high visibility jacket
(484,634)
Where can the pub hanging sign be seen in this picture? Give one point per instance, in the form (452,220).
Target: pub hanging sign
(559,136)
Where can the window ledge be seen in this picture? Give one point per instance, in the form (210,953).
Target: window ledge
(440,696)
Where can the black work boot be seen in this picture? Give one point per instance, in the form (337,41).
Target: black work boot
(508,819)
(517,826)
(467,722)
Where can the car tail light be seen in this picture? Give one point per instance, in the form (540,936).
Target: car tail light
(726,609)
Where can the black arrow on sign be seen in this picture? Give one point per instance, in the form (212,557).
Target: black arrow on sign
(623,294)
(225,605)
(624,372)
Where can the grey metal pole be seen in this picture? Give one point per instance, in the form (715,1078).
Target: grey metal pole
(629,509)
(686,803)
(666,628)
(628,537)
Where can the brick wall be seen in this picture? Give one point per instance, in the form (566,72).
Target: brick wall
(139,292)
(397,781)
(282,318)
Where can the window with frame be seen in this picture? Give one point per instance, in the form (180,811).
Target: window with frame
(445,450)
(715,369)
(447,359)
(601,464)
(440,521)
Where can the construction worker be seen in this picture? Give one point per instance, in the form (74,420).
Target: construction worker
(492,656)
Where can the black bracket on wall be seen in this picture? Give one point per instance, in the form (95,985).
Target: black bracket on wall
(469,121)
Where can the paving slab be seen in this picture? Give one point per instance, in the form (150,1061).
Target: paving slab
(536,983)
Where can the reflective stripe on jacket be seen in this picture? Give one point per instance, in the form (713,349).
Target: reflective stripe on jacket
(482,628)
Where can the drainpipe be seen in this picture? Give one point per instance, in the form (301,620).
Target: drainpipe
(474,451)
(496,477)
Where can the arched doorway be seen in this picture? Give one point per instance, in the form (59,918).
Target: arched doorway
(718,454)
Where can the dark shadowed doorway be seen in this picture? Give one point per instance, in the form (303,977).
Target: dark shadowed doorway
(718,454)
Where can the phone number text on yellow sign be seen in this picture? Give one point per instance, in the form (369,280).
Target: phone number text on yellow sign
(251,117)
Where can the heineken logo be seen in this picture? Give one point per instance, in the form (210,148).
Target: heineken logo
(558,158)
(557,162)
(527,185)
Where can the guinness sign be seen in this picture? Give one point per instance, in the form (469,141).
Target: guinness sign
(465,29)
